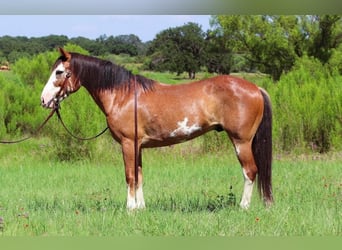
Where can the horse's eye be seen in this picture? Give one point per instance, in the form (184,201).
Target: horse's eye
(59,72)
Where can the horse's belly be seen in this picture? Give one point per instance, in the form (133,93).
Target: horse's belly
(162,142)
(180,134)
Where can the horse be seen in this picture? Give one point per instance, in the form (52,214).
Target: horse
(143,113)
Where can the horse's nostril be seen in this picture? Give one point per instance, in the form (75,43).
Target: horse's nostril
(42,101)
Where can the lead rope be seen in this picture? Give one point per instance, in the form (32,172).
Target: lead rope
(35,132)
(75,136)
(55,109)
(136,149)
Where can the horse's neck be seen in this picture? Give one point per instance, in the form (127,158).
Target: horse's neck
(107,99)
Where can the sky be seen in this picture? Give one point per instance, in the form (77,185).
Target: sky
(93,26)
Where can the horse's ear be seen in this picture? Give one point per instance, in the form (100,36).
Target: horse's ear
(65,53)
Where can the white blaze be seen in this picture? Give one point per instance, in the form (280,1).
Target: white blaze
(184,129)
(50,90)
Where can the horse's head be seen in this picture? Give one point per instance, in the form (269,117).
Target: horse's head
(61,83)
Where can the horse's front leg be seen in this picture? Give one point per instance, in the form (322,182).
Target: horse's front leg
(135,196)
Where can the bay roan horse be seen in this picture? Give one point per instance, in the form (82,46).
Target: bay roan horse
(170,114)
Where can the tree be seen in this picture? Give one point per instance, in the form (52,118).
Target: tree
(218,54)
(123,44)
(327,37)
(93,46)
(53,41)
(13,48)
(180,49)
(267,41)
(274,43)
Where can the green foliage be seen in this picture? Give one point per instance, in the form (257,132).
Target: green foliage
(335,61)
(14,48)
(219,57)
(307,105)
(178,50)
(75,48)
(19,105)
(36,70)
(326,38)
(123,44)
(265,40)
(84,119)
(273,43)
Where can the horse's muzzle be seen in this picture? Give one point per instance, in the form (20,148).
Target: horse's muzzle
(47,104)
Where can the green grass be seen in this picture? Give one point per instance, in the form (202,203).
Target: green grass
(39,196)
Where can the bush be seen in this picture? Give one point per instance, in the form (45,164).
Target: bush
(307,104)
(19,105)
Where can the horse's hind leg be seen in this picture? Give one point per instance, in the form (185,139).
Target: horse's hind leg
(249,169)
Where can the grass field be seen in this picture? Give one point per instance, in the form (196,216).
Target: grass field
(43,197)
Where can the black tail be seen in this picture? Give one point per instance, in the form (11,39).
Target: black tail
(262,151)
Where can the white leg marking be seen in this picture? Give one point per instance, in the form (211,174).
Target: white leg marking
(184,129)
(140,198)
(247,192)
(131,203)
(137,202)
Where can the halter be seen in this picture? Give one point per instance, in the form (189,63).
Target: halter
(64,87)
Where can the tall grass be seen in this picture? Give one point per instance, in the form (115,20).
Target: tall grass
(307,105)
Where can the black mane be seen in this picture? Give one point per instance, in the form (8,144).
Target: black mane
(103,74)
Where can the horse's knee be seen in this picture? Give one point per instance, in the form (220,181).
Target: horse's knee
(250,172)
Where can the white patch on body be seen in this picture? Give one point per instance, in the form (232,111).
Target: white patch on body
(50,90)
(247,191)
(131,203)
(184,129)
